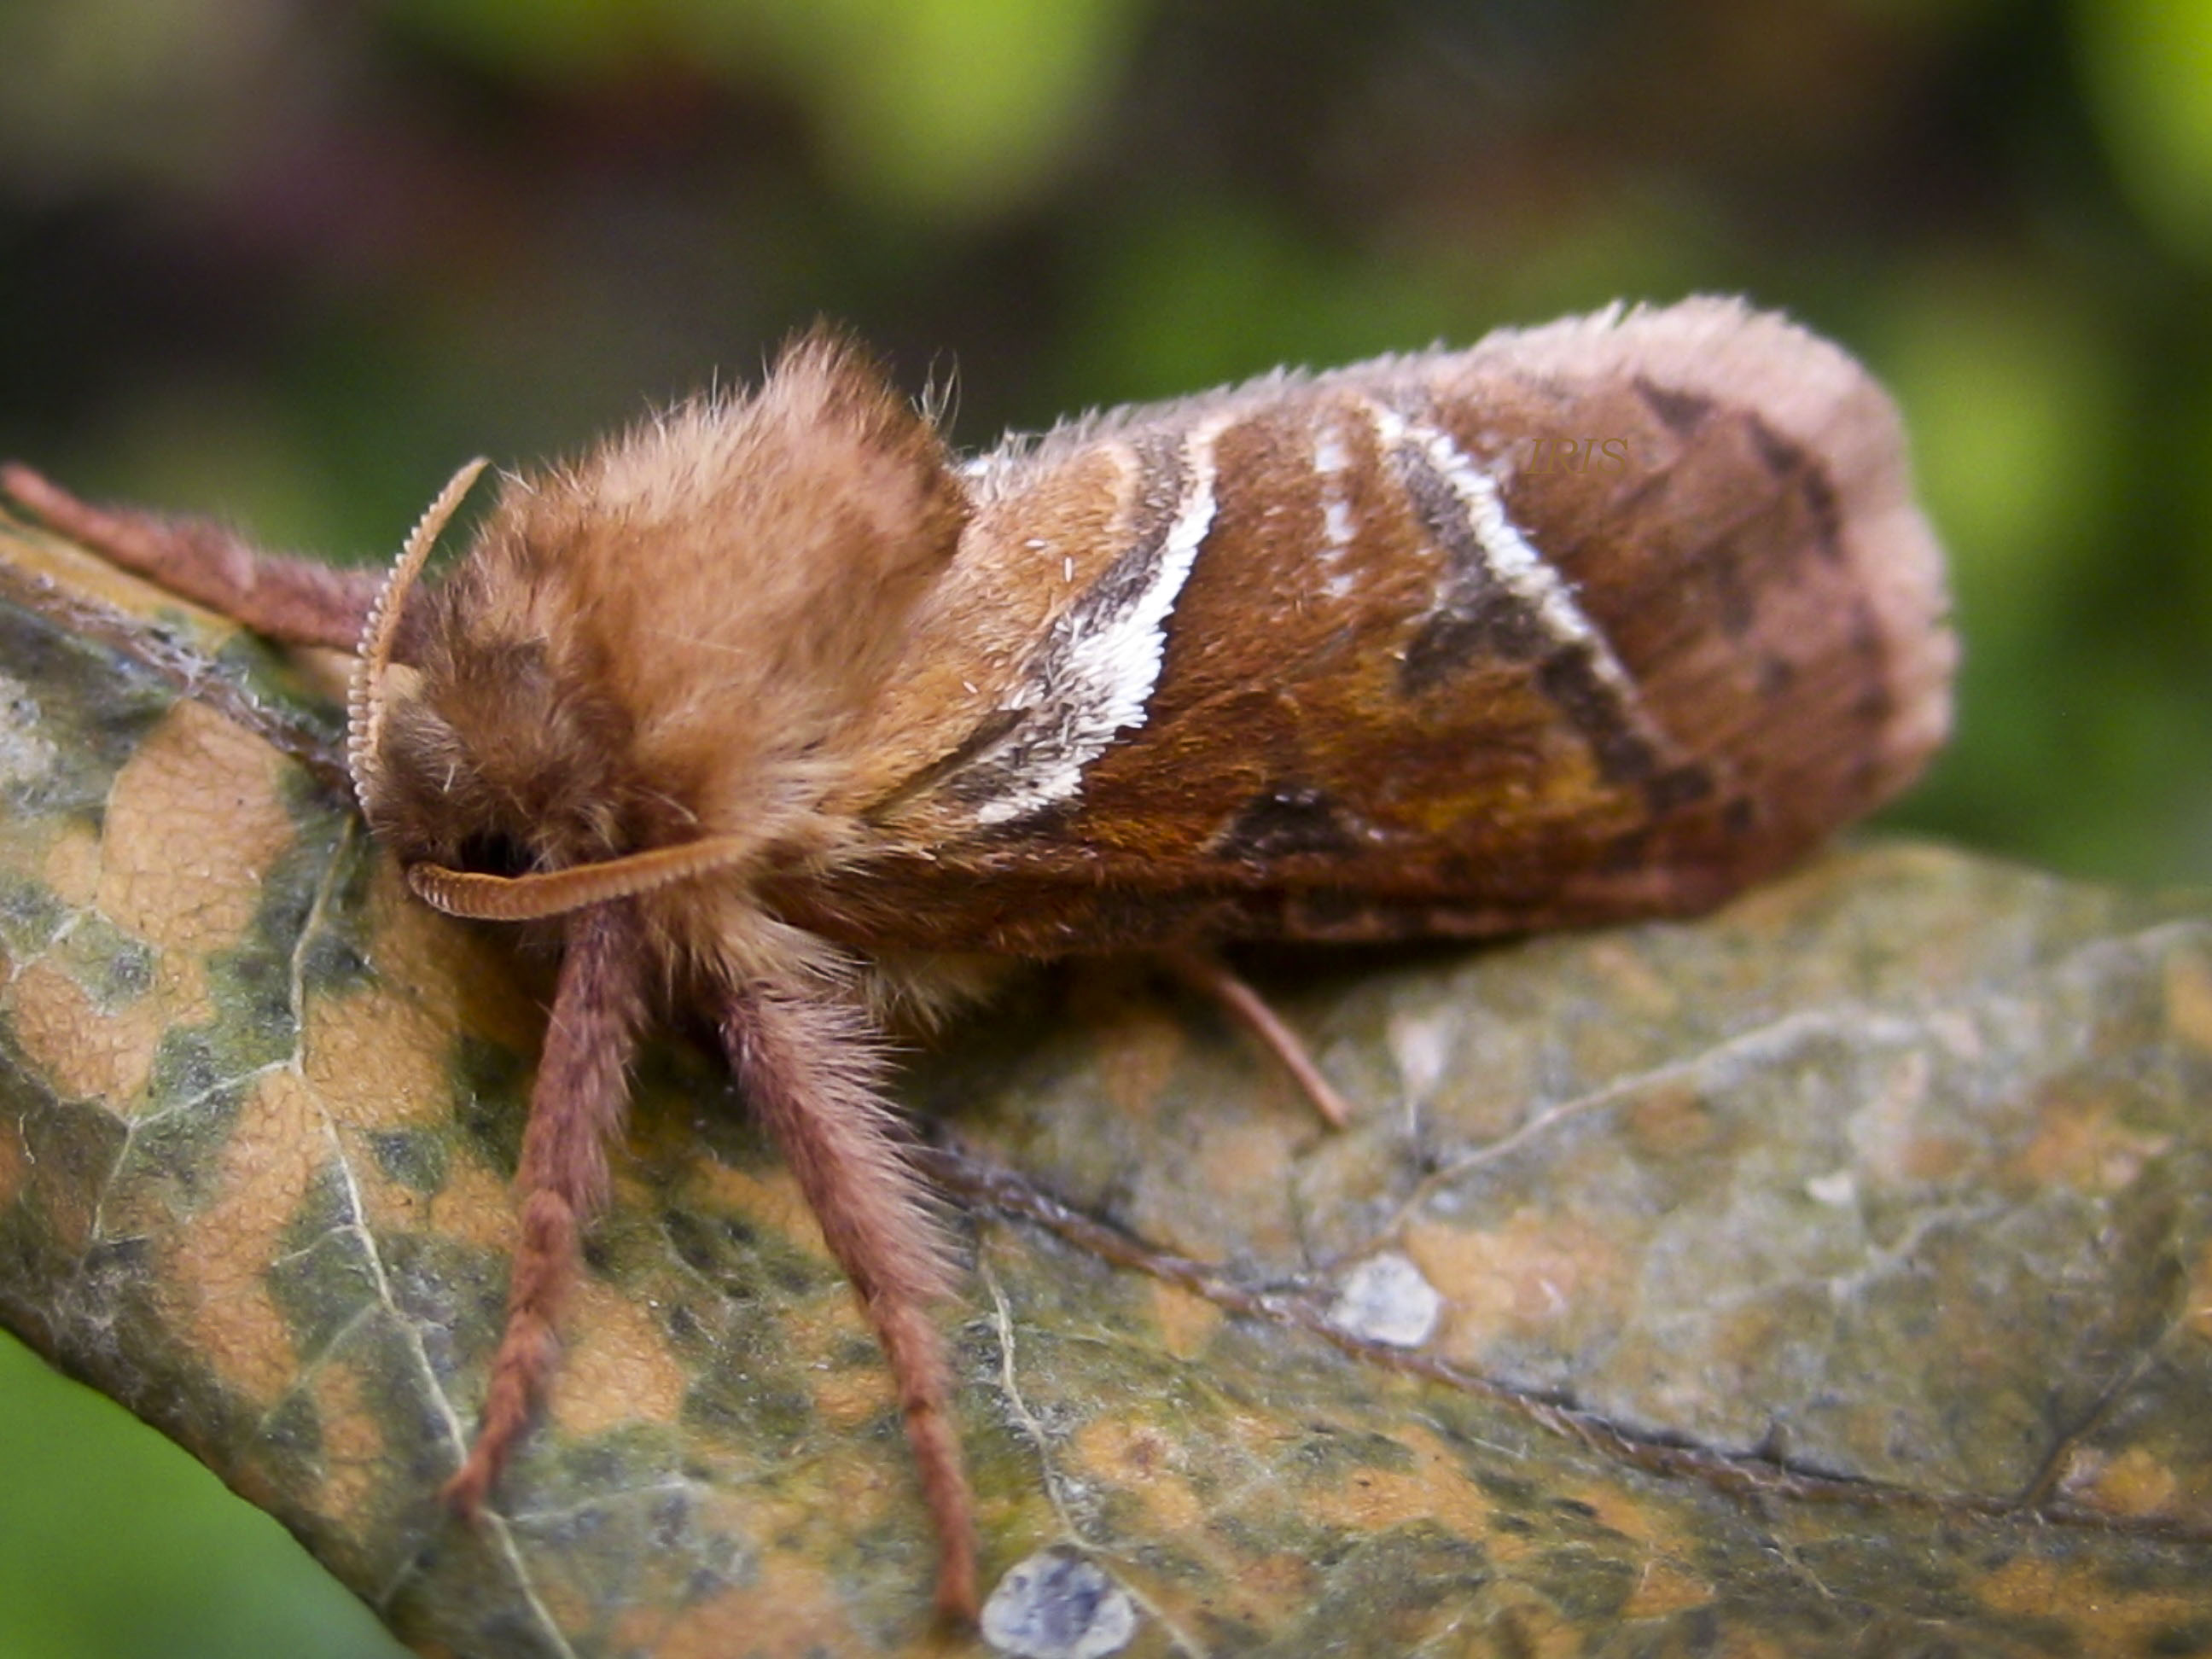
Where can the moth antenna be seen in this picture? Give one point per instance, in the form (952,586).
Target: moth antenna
(576,1111)
(365,693)
(812,1070)
(484,897)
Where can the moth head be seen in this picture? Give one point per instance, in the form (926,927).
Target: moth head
(641,671)
(493,778)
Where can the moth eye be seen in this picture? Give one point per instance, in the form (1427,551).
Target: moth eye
(492,853)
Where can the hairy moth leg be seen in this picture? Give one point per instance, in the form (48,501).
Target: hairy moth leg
(297,600)
(576,1110)
(1210,977)
(812,1068)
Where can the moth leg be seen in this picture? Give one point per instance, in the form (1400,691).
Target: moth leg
(577,1106)
(289,598)
(812,1070)
(1210,977)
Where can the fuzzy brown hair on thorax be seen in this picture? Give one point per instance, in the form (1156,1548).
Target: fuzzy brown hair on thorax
(661,642)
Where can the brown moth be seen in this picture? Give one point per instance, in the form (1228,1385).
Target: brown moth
(776,710)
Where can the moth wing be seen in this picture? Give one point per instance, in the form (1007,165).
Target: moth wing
(1601,619)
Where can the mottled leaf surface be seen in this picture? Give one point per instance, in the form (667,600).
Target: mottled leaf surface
(1834,1275)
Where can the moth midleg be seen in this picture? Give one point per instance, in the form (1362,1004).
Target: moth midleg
(300,601)
(1210,977)
(577,1107)
(812,1070)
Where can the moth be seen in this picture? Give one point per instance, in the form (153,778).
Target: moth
(774,709)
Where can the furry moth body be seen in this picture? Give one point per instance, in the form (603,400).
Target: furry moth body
(776,710)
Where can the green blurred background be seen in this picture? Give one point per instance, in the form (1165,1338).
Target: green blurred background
(290,261)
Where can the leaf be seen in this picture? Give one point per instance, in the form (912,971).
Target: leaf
(1832,1275)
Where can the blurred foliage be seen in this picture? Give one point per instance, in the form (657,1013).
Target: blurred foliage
(290,262)
(114,1542)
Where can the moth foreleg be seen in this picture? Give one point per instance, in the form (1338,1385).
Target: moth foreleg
(577,1106)
(812,1070)
(1210,977)
(289,598)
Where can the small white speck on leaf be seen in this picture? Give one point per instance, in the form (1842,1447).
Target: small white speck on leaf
(1059,1604)
(1837,1188)
(1385,1299)
(1422,1047)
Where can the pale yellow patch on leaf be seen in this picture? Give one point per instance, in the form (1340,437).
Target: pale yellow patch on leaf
(464,975)
(61,561)
(1436,1488)
(2025,1584)
(352,1447)
(81,1049)
(377,1061)
(195,820)
(1538,1273)
(1662,1587)
(2124,1619)
(1140,1046)
(617,1367)
(71,868)
(2135,1483)
(771,1201)
(476,1206)
(323,670)
(847,1398)
(1616,1512)
(1664,1584)
(219,1258)
(1134,1455)
(1186,1321)
(791,1611)
(1273,1581)
(181,986)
